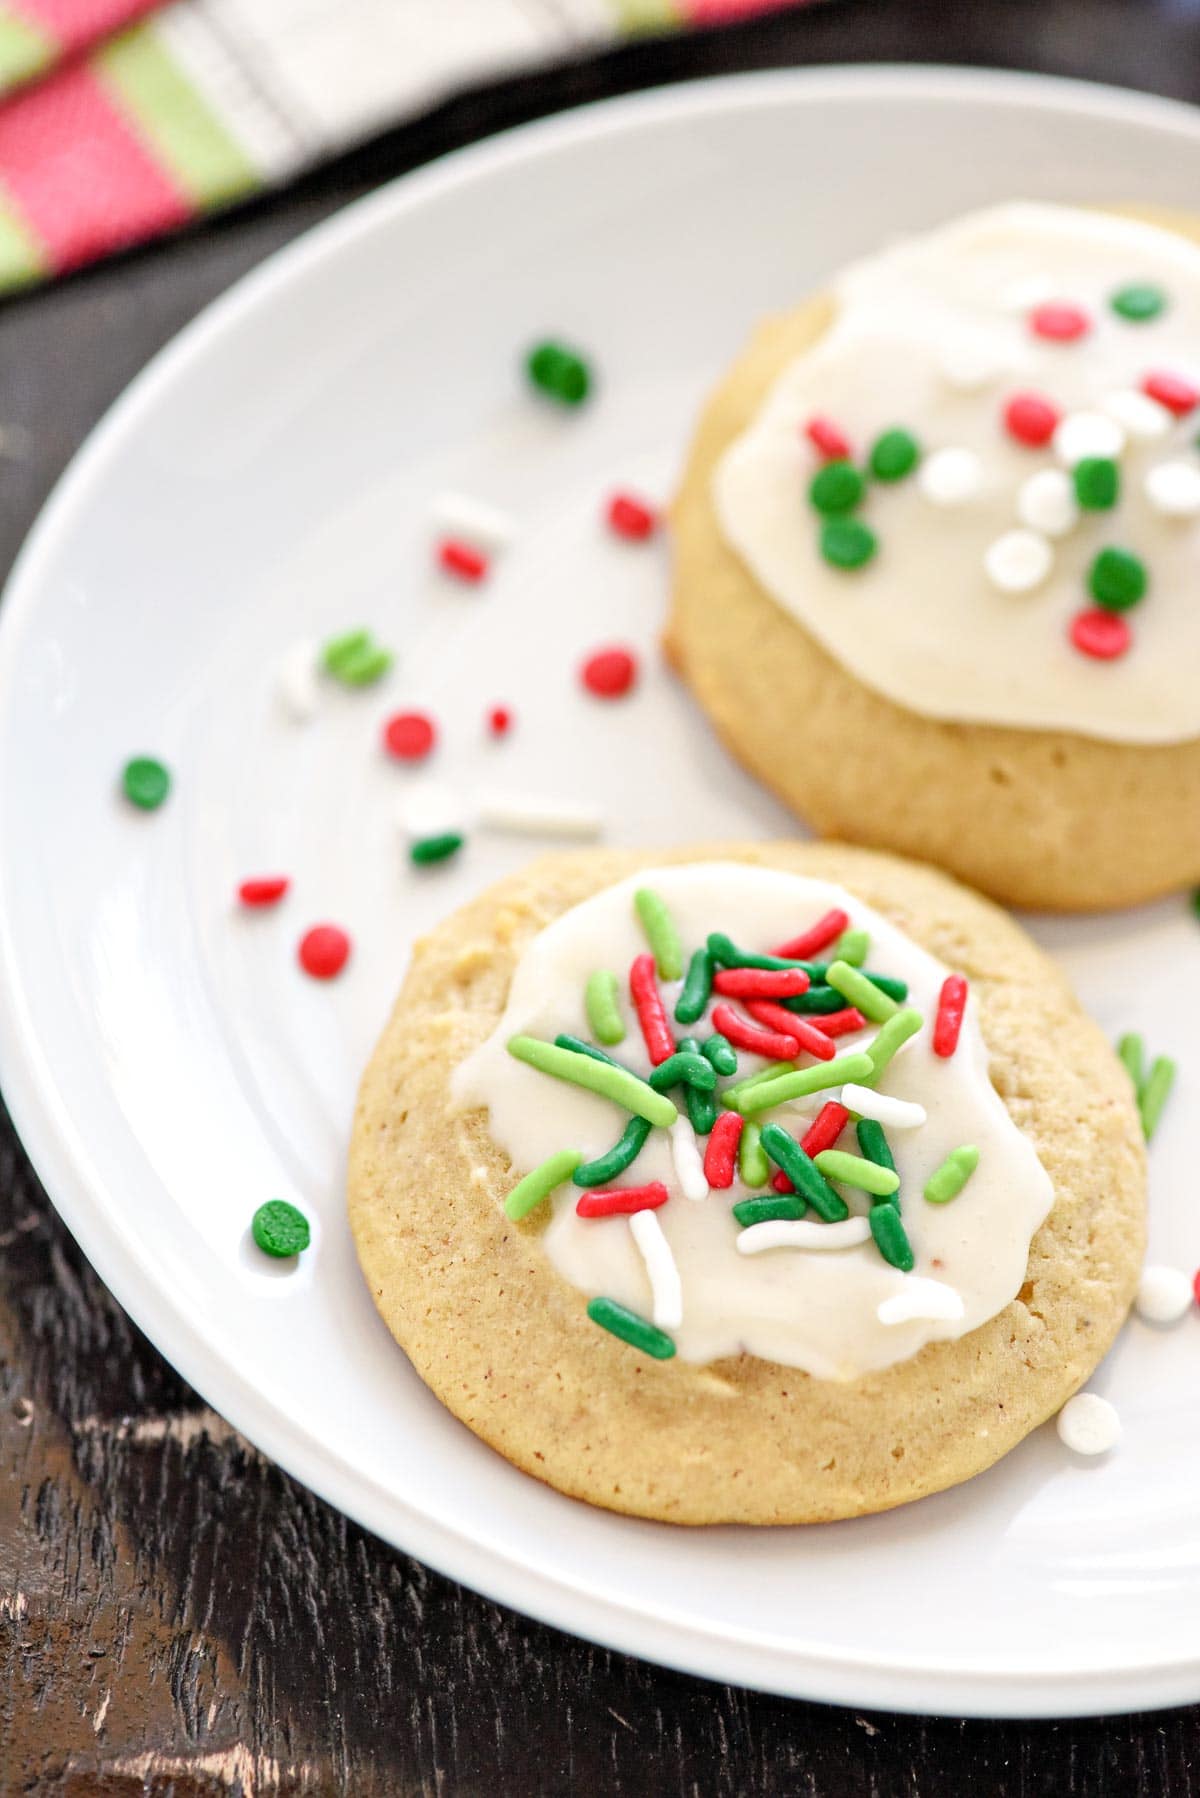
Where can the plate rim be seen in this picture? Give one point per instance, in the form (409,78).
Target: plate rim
(42,1119)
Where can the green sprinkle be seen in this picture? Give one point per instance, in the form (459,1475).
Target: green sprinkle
(577,1046)
(280,1230)
(787,1208)
(894,455)
(1138,302)
(815,1079)
(852,947)
(725,951)
(892,1036)
(887,983)
(346,648)
(852,1170)
(804,1174)
(1132,1053)
(355,658)
(772,1071)
(614,1161)
(1196,901)
(1155,1093)
(847,542)
(753,1167)
(1117,579)
(720,1052)
(690,1069)
(838,487)
(601,999)
(146,784)
(856,989)
(538,1185)
(875,1146)
(365,670)
(817,999)
(701,1108)
(661,933)
(610,1081)
(427,850)
(631,1328)
(948,1180)
(891,1238)
(560,373)
(697,988)
(1097,483)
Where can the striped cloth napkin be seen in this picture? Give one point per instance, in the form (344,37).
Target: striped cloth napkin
(122,119)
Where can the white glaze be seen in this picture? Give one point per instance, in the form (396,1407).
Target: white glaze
(923,622)
(818,1311)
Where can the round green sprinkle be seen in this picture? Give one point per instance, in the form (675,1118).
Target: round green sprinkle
(559,372)
(280,1230)
(947,1181)
(146,782)
(1097,483)
(697,988)
(847,542)
(538,1185)
(891,1238)
(631,1328)
(720,1051)
(682,1067)
(750,1099)
(1155,1093)
(892,1036)
(602,1077)
(838,487)
(602,1003)
(1138,302)
(614,1161)
(1132,1052)
(1117,579)
(753,1167)
(804,1174)
(856,989)
(789,1207)
(894,455)
(852,1170)
(852,947)
(661,933)
(435,849)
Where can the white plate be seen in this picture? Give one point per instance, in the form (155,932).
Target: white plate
(269,477)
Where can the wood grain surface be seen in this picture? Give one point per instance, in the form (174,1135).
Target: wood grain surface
(176,1615)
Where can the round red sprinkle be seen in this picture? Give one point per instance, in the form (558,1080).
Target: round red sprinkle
(609,673)
(630,517)
(827,437)
(324,951)
(500,720)
(1171,391)
(267,891)
(409,736)
(1061,322)
(1031,419)
(1104,635)
(1196,1285)
(460,559)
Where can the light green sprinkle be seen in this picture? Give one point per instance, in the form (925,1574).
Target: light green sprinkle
(753,1167)
(731,1095)
(344,649)
(630,1328)
(856,989)
(614,1083)
(661,933)
(355,658)
(892,1036)
(762,1097)
(948,1180)
(852,1170)
(602,1002)
(1155,1093)
(852,947)
(529,1192)
(1132,1051)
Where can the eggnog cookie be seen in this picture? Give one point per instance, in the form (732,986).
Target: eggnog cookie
(937,550)
(758,1184)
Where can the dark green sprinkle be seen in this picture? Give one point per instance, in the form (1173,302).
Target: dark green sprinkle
(891,1238)
(875,1147)
(787,1208)
(565,1041)
(614,1161)
(838,487)
(279,1229)
(435,849)
(720,1051)
(1138,302)
(146,782)
(1117,579)
(631,1328)
(887,983)
(690,1069)
(894,455)
(847,542)
(1196,901)
(697,988)
(561,373)
(1097,483)
(817,999)
(803,1173)
(725,951)
(702,1109)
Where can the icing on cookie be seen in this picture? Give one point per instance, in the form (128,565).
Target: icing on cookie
(1044,364)
(803,1270)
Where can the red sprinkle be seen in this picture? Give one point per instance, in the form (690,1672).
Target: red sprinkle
(803,1034)
(1099,633)
(622,1200)
(324,951)
(500,720)
(840,1023)
(1059,321)
(760,983)
(631,517)
(771,1043)
(721,1151)
(647,1002)
(267,891)
(409,736)
(822,932)
(460,559)
(825,1128)
(609,673)
(780,1181)
(832,442)
(1031,419)
(1171,391)
(1196,1286)
(952,1002)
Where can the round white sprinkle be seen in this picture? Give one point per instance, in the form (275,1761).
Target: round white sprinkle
(921,1300)
(299,694)
(1046,502)
(1164,1295)
(1173,489)
(1018,561)
(665,1285)
(1137,413)
(1087,434)
(427,808)
(689,1167)
(901,1114)
(950,477)
(526,814)
(785,1235)
(458,515)
(1088,1424)
(972,363)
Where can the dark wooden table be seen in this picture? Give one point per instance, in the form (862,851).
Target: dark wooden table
(178,1616)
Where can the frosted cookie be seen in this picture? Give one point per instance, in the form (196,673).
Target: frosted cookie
(761,1185)
(937,551)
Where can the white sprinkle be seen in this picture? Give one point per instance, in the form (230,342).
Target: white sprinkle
(1018,561)
(1027,292)
(950,477)
(527,814)
(299,694)
(1087,434)
(1173,489)
(1140,416)
(972,363)
(785,1235)
(922,1301)
(1046,502)
(1164,1295)
(665,1284)
(427,808)
(1089,1424)
(458,515)
(900,1114)
(689,1168)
